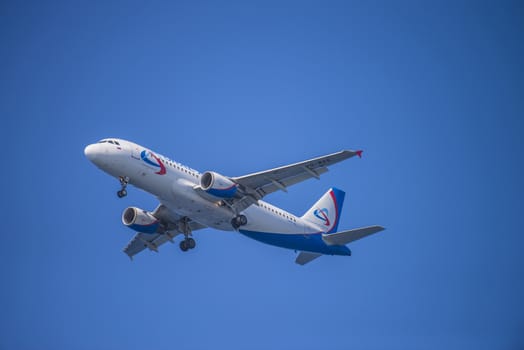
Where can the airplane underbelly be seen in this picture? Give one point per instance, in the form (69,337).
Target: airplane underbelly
(184,201)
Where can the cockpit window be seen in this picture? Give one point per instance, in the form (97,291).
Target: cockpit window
(109,141)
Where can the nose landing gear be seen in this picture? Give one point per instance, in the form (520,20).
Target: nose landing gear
(124,180)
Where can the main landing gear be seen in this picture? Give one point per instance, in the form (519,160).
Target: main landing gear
(188,242)
(239,220)
(124,180)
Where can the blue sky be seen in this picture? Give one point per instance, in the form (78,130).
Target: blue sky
(433,93)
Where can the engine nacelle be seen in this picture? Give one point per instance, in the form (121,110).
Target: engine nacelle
(218,185)
(140,220)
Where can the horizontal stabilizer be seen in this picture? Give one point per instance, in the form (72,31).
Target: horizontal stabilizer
(345,237)
(305,257)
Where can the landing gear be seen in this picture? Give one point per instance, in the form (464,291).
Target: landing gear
(238,221)
(124,180)
(188,242)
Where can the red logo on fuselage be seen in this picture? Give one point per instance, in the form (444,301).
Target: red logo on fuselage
(145,157)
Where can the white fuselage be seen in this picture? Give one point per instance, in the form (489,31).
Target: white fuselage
(174,185)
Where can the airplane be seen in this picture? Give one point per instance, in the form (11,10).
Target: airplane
(190,201)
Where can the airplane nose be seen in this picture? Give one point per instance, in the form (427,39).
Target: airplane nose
(90,152)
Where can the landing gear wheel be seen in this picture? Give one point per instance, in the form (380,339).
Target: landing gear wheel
(183,227)
(238,221)
(184,246)
(124,180)
(242,220)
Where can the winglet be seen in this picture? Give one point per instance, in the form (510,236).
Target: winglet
(359,153)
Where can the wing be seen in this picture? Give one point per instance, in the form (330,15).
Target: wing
(168,219)
(142,241)
(265,182)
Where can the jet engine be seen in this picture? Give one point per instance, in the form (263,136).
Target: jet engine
(218,185)
(140,220)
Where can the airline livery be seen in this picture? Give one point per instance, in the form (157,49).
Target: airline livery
(190,201)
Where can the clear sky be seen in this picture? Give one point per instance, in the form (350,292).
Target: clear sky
(432,91)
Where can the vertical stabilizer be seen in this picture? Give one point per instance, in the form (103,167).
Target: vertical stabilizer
(326,211)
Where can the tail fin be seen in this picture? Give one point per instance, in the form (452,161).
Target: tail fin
(326,211)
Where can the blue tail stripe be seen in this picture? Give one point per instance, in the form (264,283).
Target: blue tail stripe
(338,196)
